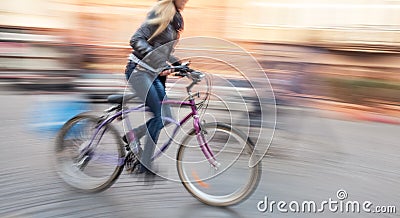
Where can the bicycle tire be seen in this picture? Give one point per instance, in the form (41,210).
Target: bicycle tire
(78,178)
(189,181)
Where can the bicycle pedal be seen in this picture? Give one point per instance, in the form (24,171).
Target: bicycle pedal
(131,162)
(131,169)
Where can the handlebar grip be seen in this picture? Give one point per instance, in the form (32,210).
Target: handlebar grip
(180,74)
(173,68)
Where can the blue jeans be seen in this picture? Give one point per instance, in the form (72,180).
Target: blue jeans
(150,89)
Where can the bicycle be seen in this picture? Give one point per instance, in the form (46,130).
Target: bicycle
(84,155)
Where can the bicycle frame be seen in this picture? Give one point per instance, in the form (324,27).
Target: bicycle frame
(196,124)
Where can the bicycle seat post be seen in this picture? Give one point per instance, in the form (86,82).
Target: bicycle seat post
(127,120)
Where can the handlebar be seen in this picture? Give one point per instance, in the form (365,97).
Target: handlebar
(184,71)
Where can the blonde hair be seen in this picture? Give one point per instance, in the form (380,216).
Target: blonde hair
(165,11)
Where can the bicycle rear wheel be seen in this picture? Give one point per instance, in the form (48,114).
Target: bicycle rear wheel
(85,160)
(233,180)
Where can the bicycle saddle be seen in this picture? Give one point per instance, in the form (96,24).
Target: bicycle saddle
(119,98)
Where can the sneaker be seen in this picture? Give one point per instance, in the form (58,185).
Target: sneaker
(135,143)
(132,162)
(143,170)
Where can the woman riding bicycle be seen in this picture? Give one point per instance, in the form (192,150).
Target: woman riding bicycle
(153,44)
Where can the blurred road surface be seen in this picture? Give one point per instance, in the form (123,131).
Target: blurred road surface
(311,158)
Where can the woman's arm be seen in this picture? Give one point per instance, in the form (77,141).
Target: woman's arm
(139,42)
(174,60)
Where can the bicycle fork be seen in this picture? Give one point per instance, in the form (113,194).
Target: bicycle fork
(205,148)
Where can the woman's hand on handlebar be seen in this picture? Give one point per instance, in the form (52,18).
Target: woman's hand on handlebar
(166,72)
(181,70)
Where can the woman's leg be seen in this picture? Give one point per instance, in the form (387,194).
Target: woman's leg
(165,108)
(151,92)
(141,130)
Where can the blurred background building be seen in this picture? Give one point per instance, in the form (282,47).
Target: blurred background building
(344,51)
(284,21)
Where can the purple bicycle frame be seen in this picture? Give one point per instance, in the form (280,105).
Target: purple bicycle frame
(205,148)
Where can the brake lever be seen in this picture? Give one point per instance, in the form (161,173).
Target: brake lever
(186,64)
(180,74)
(197,75)
(182,70)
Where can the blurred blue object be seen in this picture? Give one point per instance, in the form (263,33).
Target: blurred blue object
(49,113)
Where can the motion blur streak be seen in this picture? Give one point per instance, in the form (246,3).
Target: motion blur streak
(333,66)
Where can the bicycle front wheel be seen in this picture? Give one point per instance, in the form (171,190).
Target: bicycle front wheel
(89,158)
(233,180)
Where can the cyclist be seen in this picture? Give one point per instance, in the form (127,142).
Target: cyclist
(153,44)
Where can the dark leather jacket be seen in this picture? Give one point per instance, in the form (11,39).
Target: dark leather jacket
(157,51)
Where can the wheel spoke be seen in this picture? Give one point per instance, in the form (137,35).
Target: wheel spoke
(94,163)
(228,183)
